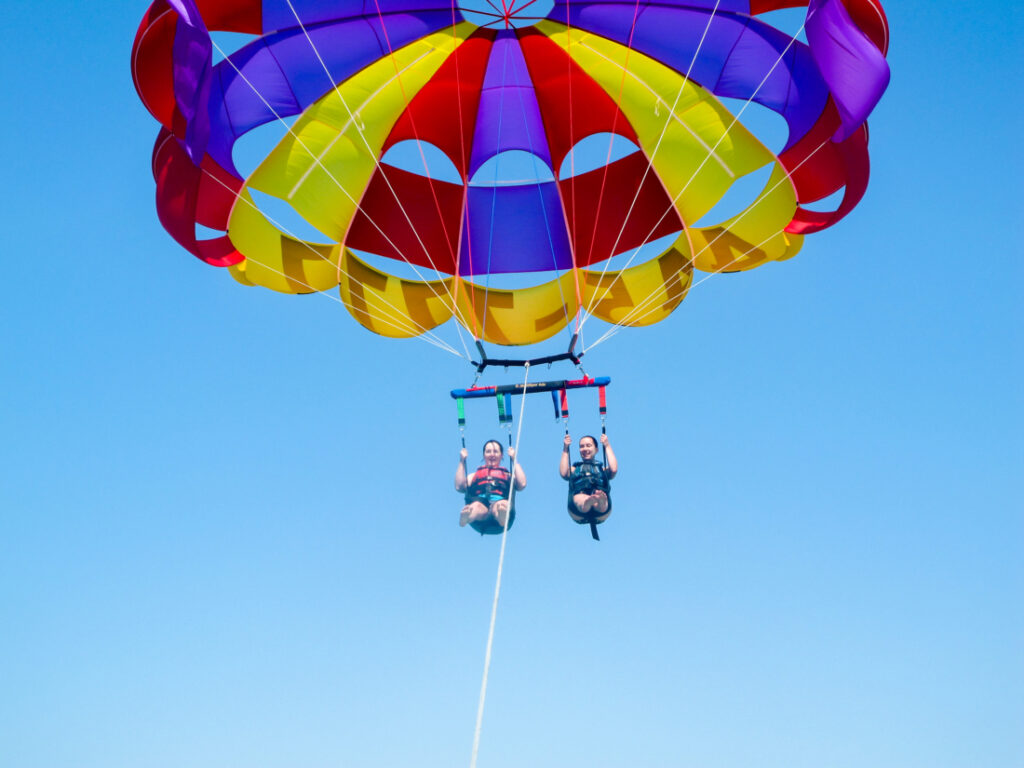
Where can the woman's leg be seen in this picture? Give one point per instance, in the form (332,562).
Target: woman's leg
(584,502)
(595,502)
(472,512)
(500,511)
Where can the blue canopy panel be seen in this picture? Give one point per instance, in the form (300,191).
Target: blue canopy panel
(514,229)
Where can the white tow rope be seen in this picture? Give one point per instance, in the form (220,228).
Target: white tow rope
(497,584)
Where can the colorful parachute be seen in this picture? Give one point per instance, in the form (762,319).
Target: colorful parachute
(478,80)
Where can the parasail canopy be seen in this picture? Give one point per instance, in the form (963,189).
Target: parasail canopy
(620,108)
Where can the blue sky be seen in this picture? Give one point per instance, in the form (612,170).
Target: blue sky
(228,535)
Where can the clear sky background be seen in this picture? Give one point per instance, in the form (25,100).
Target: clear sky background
(228,535)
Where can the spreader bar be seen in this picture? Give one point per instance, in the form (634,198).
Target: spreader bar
(529,388)
(486,361)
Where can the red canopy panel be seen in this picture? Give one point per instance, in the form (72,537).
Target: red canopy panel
(818,167)
(153,49)
(232,15)
(186,194)
(443,113)
(594,232)
(152,68)
(572,105)
(434,208)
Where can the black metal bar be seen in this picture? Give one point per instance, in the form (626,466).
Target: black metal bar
(509,363)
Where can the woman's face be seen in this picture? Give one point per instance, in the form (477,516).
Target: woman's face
(492,454)
(587,448)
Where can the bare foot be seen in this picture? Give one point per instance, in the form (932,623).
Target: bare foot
(500,510)
(464,516)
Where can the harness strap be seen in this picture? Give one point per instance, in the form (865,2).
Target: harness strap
(461,406)
(603,408)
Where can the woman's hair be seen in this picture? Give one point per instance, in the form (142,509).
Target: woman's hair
(501,450)
(592,438)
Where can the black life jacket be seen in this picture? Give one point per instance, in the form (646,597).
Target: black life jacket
(486,483)
(587,477)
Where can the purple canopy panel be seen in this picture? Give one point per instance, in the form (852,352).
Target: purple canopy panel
(278,14)
(669,35)
(786,81)
(508,117)
(192,58)
(236,108)
(735,56)
(514,229)
(723,6)
(284,72)
(855,70)
(720,7)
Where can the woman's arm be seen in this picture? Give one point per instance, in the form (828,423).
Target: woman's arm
(612,462)
(563,463)
(460,472)
(520,477)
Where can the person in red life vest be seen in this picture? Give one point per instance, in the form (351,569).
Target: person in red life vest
(589,480)
(487,490)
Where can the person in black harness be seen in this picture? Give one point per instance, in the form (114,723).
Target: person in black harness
(487,490)
(589,480)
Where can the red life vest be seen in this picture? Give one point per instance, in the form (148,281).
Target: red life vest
(487,484)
